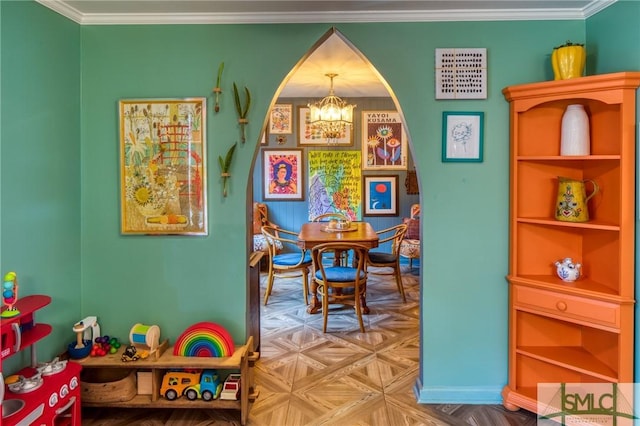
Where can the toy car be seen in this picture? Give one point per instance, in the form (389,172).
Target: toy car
(205,385)
(130,354)
(208,388)
(231,387)
(174,383)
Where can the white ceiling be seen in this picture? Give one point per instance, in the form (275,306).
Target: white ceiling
(355,77)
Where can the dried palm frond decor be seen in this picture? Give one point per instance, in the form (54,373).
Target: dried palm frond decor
(224,168)
(242,109)
(218,89)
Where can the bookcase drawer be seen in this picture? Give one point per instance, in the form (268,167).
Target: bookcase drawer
(569,307)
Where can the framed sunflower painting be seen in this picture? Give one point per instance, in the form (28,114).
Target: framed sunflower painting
(384,141)
(162,166)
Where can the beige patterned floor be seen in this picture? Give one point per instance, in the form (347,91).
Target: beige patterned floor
(343,377)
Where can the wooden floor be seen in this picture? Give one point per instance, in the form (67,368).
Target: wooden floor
(343,377)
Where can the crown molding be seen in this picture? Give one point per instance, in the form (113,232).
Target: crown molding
(596,6)
(75,15)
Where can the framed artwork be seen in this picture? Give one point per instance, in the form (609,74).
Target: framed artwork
(281,119)
(384,141)
(380,195)
(461,73)
(163,166)
(282,174)
(462,136)
(335,183)
(310,135)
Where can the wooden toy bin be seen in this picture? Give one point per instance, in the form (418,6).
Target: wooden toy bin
(107,385)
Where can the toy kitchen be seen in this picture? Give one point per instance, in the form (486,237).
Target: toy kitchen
(44,393)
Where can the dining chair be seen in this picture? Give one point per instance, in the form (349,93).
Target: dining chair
(260,219)
(335,282)
(389,259)
(292,258)
(410,246)
(326,217)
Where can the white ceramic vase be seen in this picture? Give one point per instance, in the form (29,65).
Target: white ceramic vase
(575,131)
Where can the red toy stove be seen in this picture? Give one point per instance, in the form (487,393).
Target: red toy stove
(51,395)
(43,394)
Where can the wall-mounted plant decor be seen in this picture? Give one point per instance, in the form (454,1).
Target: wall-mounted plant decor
(162,166)
(242,110)
(225,165)
(218,89)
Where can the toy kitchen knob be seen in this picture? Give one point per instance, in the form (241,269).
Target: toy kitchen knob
(567,270)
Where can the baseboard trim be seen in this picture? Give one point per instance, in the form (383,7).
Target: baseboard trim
(457,394)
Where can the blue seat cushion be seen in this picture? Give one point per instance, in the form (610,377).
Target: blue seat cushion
(381,257)
(340,274)
(290,259)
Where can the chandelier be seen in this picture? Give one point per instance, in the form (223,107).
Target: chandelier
(331,114)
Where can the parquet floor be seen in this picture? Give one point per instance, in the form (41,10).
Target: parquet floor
(343,377)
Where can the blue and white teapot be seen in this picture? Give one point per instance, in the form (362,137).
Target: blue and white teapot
(567,270)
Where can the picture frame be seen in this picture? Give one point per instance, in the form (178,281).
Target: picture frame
(384,141)
(380,195)
(311,135)
(462,136)
(163,173)
(334,182)
(281,119)
(282,175)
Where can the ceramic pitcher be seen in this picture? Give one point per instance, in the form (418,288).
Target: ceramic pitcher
(572,199)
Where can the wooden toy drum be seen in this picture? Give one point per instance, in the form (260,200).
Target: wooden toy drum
(145,335)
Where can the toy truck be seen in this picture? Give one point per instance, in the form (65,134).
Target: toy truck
(205,385)
(231,388)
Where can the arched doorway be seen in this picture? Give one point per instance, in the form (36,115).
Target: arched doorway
(358,82)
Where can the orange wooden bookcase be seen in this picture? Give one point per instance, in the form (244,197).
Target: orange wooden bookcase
(580,331)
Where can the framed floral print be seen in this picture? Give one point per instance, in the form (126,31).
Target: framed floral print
(311,135)
(384,141)
(163,166)
(462,136)
(281,119)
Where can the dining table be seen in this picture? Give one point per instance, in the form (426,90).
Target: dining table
(316,233)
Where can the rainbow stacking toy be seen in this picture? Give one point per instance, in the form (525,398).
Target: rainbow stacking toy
(204,339)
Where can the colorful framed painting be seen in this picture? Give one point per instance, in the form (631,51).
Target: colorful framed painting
(384,141)
(282,174)
(163,172)
(311,135)
(462,136)
(380,195)
(335,183)
(281,119)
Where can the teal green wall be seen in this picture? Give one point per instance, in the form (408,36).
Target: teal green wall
(611,51)
(618,51)
(176,281)
(40,164)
